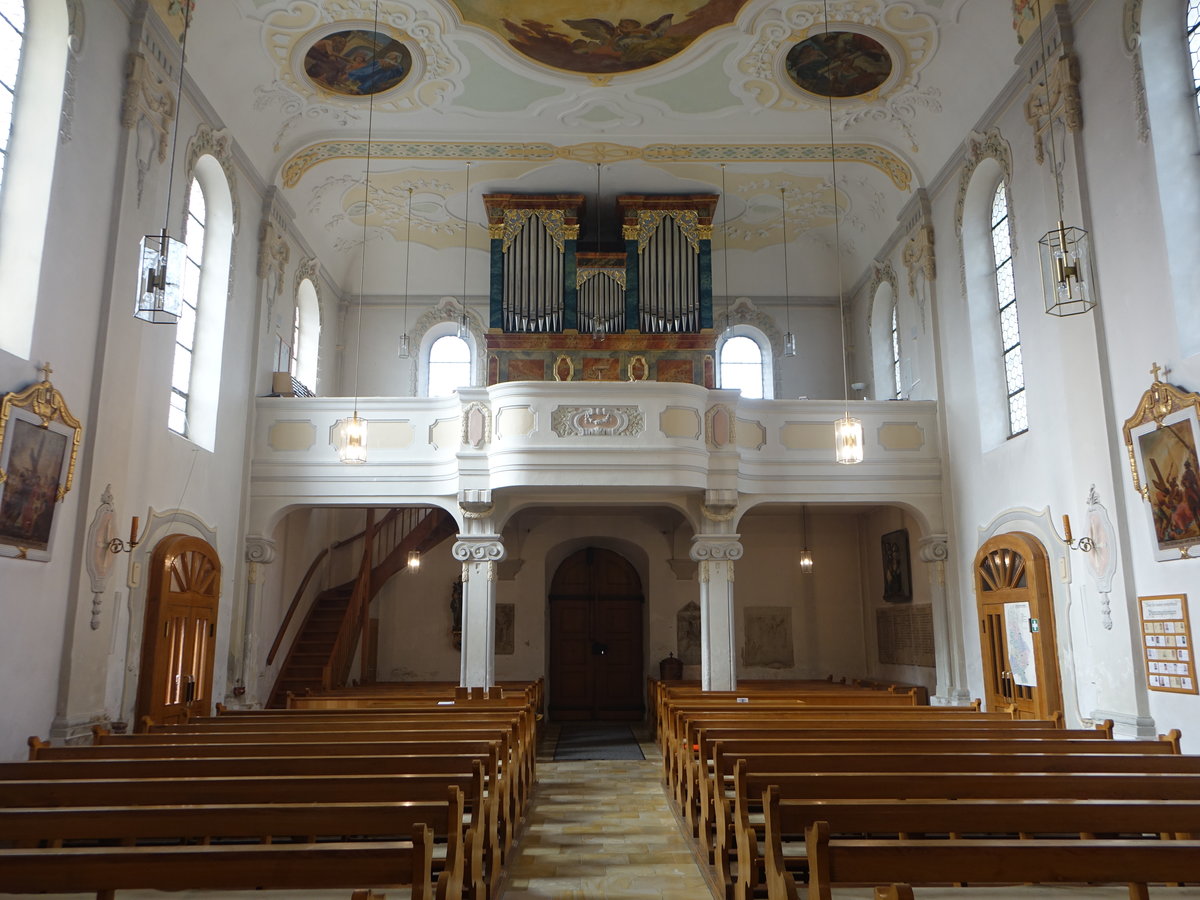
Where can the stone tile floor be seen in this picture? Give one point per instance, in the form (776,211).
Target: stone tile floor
(602,829)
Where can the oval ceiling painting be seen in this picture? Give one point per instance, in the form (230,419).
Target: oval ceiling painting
(839,64)
(358,62)
(602,37)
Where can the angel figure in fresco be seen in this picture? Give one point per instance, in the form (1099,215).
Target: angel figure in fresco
(628,40)
(1022,13)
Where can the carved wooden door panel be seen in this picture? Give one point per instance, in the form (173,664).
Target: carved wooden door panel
(1016,626)
(596,628)
(180,636)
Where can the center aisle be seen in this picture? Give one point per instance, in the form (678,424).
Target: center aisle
(601,829)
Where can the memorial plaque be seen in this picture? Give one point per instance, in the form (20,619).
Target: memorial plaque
(905,635)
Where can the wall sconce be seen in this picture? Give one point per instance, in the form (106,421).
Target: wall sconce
(116,545)
(414,560)
(1085,543)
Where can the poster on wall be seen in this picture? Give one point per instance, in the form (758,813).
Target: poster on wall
(1163,438)
(1167,643)
(1018,636)
(39,441)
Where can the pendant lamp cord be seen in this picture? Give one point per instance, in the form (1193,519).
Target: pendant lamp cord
(362,272)
(1058,188)
(787,291)
(837,236)
(407,258)
(187,22)
(466,209)
(725,240)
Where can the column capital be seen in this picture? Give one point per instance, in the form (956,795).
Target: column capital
(706,547)
(933,548)
(259,549)
(478,548)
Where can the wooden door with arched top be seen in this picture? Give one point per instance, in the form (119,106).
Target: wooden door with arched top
(181,626)
(596,669)
(1016,625)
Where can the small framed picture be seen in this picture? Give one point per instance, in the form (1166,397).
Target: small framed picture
(897,569)
(39,440)
(1163,438)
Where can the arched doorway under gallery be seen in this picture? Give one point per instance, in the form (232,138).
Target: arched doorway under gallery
(596,638)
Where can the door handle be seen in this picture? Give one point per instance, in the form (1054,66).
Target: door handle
(599,649)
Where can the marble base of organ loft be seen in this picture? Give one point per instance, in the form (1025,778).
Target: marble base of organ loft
(633,356)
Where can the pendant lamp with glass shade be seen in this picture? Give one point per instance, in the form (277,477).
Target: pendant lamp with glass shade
(1065,250)
(403,350)
(806,557)
(848,430)
(160,256)
(414,560)
(350,434)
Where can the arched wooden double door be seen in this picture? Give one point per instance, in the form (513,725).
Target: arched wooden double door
(181,626)
(1016,625)
(596,638)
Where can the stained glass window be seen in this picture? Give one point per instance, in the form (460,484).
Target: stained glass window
(1010,331)
(12,37)
(185,331)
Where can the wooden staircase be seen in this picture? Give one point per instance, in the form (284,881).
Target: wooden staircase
(316,646)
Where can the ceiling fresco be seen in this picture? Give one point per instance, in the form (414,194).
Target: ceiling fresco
(603,37)
(667,96)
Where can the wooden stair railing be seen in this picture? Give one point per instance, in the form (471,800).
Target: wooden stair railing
(341,613)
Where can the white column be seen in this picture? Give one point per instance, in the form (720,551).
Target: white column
(947,633)
(479,555)
(718,644)
(260,553)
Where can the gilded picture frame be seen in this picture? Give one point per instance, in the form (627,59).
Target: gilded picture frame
(1163,441)
(39,444)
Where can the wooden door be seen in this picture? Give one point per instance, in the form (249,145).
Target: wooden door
(181,626)
(596,638)
(1016,626)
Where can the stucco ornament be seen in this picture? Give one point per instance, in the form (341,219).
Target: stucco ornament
(716,549)
(910,38)
(1102,559)
(594,421)
(289,33)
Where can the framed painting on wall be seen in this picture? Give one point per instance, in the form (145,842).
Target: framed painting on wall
(39,441)
(897,570)
(1163,439)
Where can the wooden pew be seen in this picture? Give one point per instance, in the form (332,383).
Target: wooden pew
(791,820)
(924,785)
(264,790)
(901,863)
(305,823)
(225,867)
(516,767)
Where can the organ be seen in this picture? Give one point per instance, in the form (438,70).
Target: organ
(559,312)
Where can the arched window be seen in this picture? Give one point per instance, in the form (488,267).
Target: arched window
(741,366)
(12,37)
(1193,39)
(33,64)
(1010,329)
(896,385)
(306,335)
(449,365)
(200,334)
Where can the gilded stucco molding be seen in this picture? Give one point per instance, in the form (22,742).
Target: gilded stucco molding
(883,273)
(207,141)
(1055,97)
(990,145)
(303,161)
(148,97)
(274,252)
(75,31)
(1132,23)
